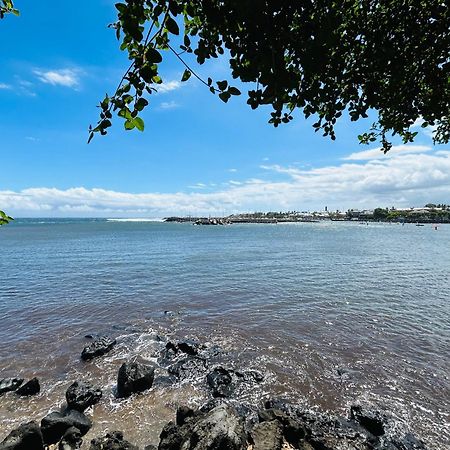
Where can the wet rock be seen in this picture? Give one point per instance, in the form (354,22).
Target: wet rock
(267,436)
(71,439)
(134,377)
(190,347)
(32,387)
(188,368)
(81,395)
(112,441)
(372,421)
(293,429)
(27,436)
(100,346)
(55,424)
(221,382)
(250,376)
(9,384)
(220,428)
(184,413)
(150,447)
(409,442)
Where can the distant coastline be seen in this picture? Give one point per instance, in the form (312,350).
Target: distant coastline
(430,213)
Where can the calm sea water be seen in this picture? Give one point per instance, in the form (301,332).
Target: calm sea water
(333,312)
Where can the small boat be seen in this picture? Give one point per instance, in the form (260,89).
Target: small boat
(419,224)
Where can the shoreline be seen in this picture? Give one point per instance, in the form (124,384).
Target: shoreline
(268,424)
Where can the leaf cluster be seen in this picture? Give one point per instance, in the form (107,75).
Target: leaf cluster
(7,7)
(324,58)
(4,218)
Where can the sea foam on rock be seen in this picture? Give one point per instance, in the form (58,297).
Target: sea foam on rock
(100,346)
(9,384)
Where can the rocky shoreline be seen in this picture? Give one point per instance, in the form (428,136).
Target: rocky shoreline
(222,422)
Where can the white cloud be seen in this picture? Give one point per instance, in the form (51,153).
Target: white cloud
(403,180)
(377,153)
(169,105)
(197,186)
(232,170)
(62,77)
(5,86)
(168,86)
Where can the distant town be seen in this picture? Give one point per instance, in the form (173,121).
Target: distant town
(430,213)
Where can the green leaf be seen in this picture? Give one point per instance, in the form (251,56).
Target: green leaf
(222,84)
(172,26)
(153,56)
(16,12)
(139,123)
(234,91)
(121,7)
(141,104)
(129,124)
(224,96)
(186,75)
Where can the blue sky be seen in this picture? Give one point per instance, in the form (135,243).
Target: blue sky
(197,155)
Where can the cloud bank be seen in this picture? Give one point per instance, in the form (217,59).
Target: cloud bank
(404,179)
(63,77)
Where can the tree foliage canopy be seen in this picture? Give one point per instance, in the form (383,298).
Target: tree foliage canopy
(324,58)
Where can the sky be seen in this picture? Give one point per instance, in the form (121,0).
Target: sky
(197,155)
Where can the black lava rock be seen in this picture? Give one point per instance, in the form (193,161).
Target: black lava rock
(100,346)
(27,436)
(71,439)
(55,424)
(9,384)
(81,395)
(188,368)
(267,436)
(220,428)
(134,377)
(372,421)
(32,387)
(190,347)
(221,382)
(112,441)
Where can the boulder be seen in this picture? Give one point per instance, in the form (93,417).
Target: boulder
(55,424)
(267,436)
(100,346)
(27,436)
(32,387)
(372,421)
(220,428)
(250,376)
(188,368)
(9,384)
(71,440)
(81,395)
(190,347)
(134,377)
(221,382)
(112,441)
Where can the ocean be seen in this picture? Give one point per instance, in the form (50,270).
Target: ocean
(332,313)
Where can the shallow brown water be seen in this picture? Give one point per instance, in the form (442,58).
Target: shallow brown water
(297,302)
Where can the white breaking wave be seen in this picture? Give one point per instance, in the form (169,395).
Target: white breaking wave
(136,220)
